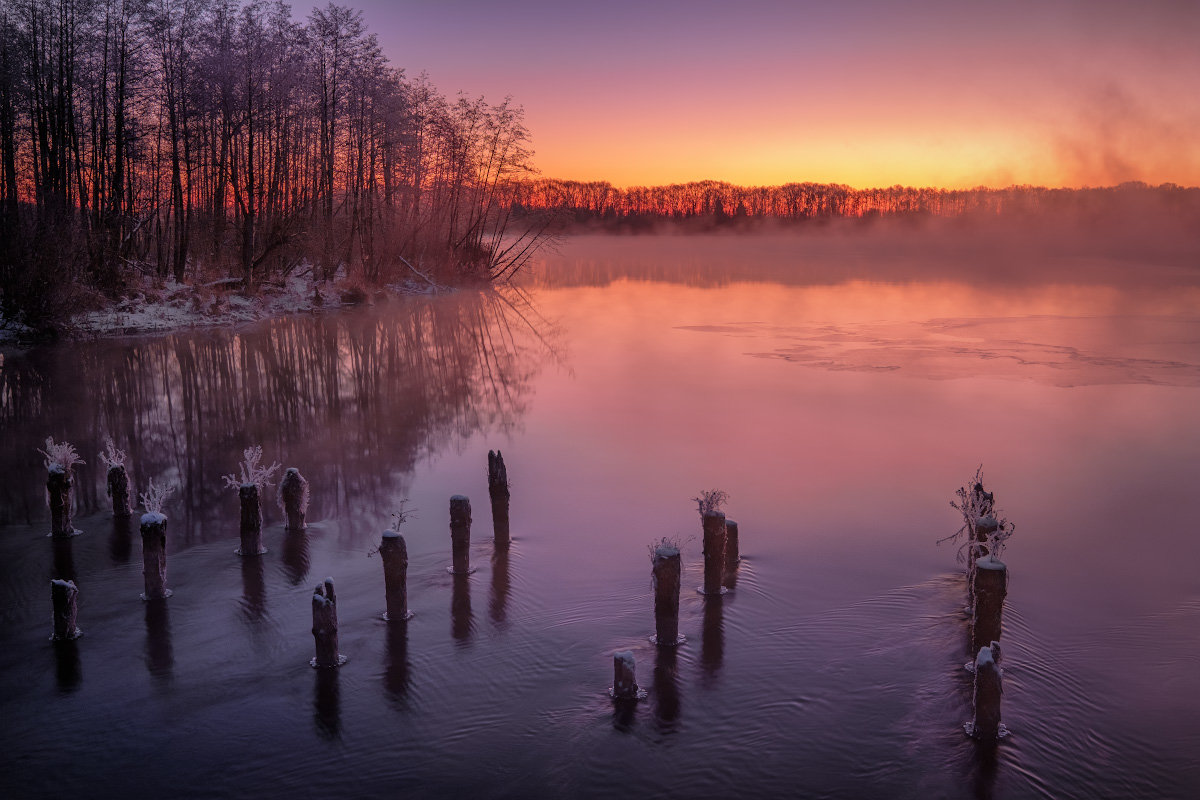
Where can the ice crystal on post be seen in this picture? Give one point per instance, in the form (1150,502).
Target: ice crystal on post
(154,497)
(252,472)
(710,501)
(112,457)
(60,456)
(975,504)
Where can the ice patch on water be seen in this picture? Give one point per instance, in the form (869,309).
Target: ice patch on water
(680,639)
(384,616)
(341,659)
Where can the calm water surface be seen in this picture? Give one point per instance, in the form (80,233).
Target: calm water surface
(839,393)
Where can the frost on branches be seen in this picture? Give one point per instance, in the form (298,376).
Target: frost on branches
(710,501)
(252,472)
(60,456)
(975,504)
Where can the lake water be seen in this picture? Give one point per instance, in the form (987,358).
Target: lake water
(839,391)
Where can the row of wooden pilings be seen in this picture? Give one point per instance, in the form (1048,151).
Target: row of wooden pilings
(987,576)
(293,494)
(721,558)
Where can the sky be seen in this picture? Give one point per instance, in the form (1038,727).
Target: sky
(861,92)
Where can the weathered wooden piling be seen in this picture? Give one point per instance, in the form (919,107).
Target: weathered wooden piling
(325,627)
(984,528)
(118,490)
(991,587)
(714,552)
(624,682)
(498,490)
(58,494)
(460,534)
(154,556)
(732,552)
(986,724)
(293,497)
(252,520)
(666,573)
(64,595)
(394,553)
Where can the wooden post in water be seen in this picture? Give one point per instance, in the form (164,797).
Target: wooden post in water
(714,552)
(991,587)
(325,627)
(986,724)
(624,682)
(394,553)
(732,553)
(499,493)
(154,556)
(666,573)
(118,490)
(252,520)
(293,496)
(63,594)
(978,548)
(58,493)
(460,534)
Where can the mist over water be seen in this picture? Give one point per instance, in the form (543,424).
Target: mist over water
(839,387)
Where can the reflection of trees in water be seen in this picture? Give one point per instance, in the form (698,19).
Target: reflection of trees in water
(353,399)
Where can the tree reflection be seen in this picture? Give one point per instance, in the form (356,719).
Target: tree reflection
(355,399)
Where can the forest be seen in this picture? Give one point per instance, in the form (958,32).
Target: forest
(705,205)
(207,140)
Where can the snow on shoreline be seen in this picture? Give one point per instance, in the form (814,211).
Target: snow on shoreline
(170,307)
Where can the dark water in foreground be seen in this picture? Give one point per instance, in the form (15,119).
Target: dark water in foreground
(839,401)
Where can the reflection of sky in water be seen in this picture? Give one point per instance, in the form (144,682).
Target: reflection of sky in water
(615,400)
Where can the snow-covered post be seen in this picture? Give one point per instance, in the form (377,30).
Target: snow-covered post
(666,573)
(394,553)
(154,556)
(63,595)
(714,552)
(59,458)
(293,497)
(986,724)
(460,534)
(325,626)
(984,528)
(154,541)
(250,484)
(117,479)
(991,587)
(624,682)
(499,493)
(252,520)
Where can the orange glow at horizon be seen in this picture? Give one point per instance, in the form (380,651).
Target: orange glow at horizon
(866,93)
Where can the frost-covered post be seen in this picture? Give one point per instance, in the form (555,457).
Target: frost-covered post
(154,542)
(984,529)
(732,551)
(714,552)
(666,573)
(986,724)
(117,479)
(460,534)
(252,520)
(624,682)
(498,490)
(325,627)
(293,498)
(394,553)
(250,485)
(709,503)
(991,587)
(63,595)
(60,457)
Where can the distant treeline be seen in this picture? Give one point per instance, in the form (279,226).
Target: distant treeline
(211,138)
(713,203)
